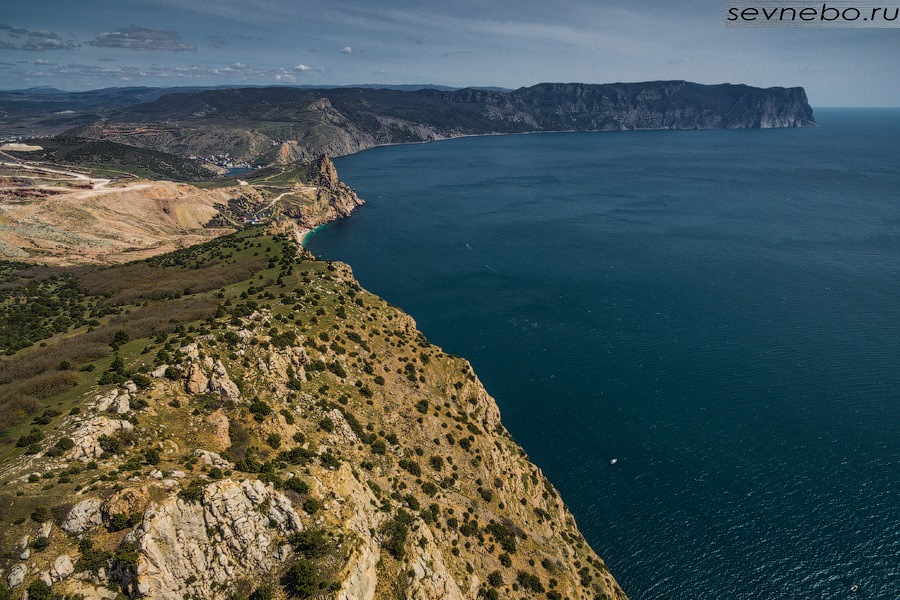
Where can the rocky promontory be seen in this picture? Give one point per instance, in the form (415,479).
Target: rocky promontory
(268,432)
(302,123)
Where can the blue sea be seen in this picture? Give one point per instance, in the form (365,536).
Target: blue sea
(718,310)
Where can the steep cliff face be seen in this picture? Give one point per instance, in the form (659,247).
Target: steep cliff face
(303,440)
(331,198)
(304,123)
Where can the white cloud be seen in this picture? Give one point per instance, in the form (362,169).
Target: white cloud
(346,50)
(142,38)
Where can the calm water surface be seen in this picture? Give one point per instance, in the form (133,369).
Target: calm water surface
(719,310)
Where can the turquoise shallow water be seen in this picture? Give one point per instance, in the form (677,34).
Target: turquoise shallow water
(719,310)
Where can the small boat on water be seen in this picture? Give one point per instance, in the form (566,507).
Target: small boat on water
(614,461)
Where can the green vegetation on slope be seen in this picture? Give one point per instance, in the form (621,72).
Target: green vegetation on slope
(112,158)
(334,390)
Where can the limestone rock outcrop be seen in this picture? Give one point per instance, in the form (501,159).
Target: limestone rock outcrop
(84,516)
(191,548)
(87,436)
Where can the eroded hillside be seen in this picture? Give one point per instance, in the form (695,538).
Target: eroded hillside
(64,215)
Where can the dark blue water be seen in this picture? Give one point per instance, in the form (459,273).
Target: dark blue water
(719,310)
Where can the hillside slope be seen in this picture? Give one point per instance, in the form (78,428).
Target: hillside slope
(61,215)
(240,420)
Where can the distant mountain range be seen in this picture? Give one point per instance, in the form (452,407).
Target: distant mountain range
(43,100)
(285,124)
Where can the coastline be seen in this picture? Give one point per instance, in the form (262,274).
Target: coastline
(537,132)
(607,582)
(301,234)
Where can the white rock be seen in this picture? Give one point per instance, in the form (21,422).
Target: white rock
(87,436)
(212,459)
(130,387)
(178,474)
(221,384)
(190,351)
(16,575)
(84,516)
(62,568)
(23,543)
(46,528)
(160,372)
(121,405)
(104,402)
(26,554)
(226,535)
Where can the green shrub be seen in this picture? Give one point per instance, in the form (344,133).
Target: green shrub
(33,437)
(259,409)
(495,579)
(301,580)
(261,593)
(142,381)
(91,560)
(329,460)
(488,594)
(39,544)
(40,514)
(152,456)
(503,535)
(193,492)
(530,582)
(411,466)
(395,533)
(311,505)
(126,554)
(110,444)
(38,590)
(295,484)
(310,543)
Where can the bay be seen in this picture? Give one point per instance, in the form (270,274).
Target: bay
(718,310)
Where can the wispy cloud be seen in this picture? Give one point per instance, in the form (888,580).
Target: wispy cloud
(217,41)
(143,38)
(346,50)
(37,41)
(13,31)
(235,72)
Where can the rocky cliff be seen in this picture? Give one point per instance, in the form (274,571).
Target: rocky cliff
(290,436)
(302,123)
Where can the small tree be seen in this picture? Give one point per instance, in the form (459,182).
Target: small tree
(301,580)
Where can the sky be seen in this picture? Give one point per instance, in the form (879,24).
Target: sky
(87,44)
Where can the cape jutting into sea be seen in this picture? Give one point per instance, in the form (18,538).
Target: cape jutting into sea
(717,310)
